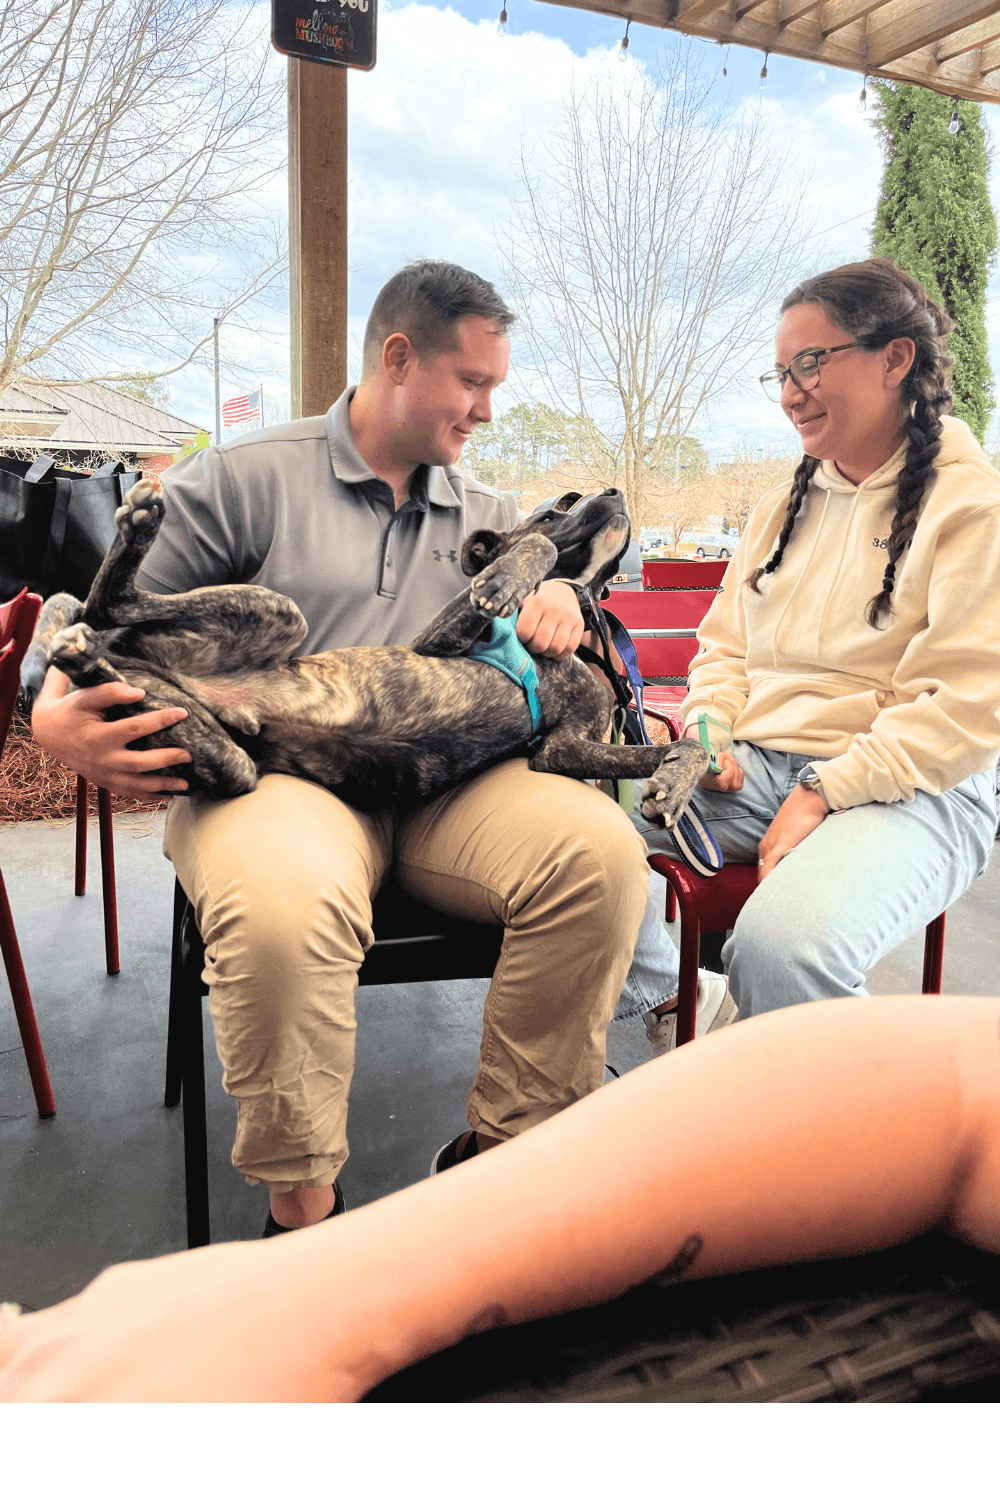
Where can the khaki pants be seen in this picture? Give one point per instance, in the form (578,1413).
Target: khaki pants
(282,882)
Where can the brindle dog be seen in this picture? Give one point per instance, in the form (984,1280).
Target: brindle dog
(375,724)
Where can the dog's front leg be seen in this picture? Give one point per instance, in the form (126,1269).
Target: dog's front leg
(496,593)
(672,771)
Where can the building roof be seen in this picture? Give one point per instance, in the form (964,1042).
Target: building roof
(952,46)
(89,417)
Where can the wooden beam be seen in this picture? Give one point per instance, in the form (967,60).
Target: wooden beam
(685,12)
(317,233)
(910,25)
(744,7)
(794,10)
(968,39)
(989,58)
(845,47)
(837,14)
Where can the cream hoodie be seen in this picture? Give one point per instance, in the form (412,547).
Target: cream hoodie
(915,704)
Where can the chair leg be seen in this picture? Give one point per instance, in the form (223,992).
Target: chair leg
(687,982)
(175,1025)
(23,1009)
(933,956)
(108,881)
(81,836)
(195,1126)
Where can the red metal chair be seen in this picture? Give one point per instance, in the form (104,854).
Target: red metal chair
(17,623)
(679,574)
(713,904)
(109,889)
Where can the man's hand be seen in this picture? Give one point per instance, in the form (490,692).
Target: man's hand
(72,727)
(729,779)
(549,622)
(801,812)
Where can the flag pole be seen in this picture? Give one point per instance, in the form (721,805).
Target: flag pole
(261,390)
(218,403)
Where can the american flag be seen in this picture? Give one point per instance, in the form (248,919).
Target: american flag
(242,409)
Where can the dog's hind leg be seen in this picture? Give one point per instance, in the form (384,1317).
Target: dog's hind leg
(56,614)
(496,593)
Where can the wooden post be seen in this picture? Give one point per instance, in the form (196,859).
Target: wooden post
(317,233)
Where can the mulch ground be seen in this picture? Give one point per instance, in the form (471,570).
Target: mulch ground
(35,788)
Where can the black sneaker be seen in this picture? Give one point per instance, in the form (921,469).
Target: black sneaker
(272,1227)
(450,1156)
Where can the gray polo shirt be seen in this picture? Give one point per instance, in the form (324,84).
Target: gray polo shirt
(297,509)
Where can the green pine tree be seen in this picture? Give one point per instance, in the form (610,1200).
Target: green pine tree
(935,220)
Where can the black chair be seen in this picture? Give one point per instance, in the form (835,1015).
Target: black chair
(412,943)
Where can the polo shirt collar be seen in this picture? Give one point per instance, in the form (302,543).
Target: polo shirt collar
(350,468)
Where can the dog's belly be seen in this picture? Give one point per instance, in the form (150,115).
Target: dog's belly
(376,724)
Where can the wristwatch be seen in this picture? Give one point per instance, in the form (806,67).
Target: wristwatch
(808,778)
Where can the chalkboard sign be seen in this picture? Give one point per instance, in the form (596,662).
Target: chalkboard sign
(341,32)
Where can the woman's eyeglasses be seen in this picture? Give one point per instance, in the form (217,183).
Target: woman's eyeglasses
(804,370)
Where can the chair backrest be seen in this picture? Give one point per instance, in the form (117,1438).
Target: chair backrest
(668,574)
(683,609)
(17,625)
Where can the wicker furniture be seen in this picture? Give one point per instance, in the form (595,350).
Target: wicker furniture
(920,1322)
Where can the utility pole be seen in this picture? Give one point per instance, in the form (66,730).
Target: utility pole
(218,398)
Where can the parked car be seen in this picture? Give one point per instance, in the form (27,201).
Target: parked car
(629,575)
(715,544)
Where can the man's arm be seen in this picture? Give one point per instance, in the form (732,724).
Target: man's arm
(196,546)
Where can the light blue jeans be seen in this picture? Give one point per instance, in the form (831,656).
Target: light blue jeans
(862,883)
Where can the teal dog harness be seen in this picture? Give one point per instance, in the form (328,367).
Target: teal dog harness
(504,651)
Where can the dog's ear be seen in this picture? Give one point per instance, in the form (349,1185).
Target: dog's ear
(567,501)
(478,549)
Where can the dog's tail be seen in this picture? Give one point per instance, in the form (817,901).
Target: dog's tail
(58,612)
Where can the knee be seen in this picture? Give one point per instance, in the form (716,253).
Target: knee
(297,919)
(779,955)
(603,873)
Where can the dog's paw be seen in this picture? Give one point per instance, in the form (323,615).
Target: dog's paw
(667,792)
(497,591)
(140,513)
(73,650)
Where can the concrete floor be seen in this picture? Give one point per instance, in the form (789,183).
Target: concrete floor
(103,1180)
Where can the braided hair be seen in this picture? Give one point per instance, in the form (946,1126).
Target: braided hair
(874,301)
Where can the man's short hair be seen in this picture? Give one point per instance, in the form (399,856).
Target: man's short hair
(427,300)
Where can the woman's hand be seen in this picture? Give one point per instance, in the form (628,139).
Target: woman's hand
(549,622)
(729,779)
(801,812)
(72,727)
(229,1323)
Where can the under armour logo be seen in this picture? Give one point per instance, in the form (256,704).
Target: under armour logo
(441,556)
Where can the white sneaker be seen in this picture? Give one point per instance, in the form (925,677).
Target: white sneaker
(715,1008)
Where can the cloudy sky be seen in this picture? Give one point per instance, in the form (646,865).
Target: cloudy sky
(434,132)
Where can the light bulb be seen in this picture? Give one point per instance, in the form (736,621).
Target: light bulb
(763,71)
(503,22)
(863,96)
(955,123)
(623,50)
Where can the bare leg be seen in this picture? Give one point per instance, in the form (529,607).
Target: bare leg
(750,1148)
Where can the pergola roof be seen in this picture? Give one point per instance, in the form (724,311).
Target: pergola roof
(952,46)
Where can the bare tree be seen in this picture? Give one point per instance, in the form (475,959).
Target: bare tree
(650,241)
(135,136)
(748,475)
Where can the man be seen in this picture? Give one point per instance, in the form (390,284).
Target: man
(359,516)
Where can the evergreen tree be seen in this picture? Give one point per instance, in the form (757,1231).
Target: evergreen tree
(936,221)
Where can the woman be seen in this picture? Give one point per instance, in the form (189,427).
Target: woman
(854,651)
(569,1213)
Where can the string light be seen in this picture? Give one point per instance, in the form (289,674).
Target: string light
(955,124)
(763,71)
(503,22)
(863,96)
(623,49)
(725,60)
